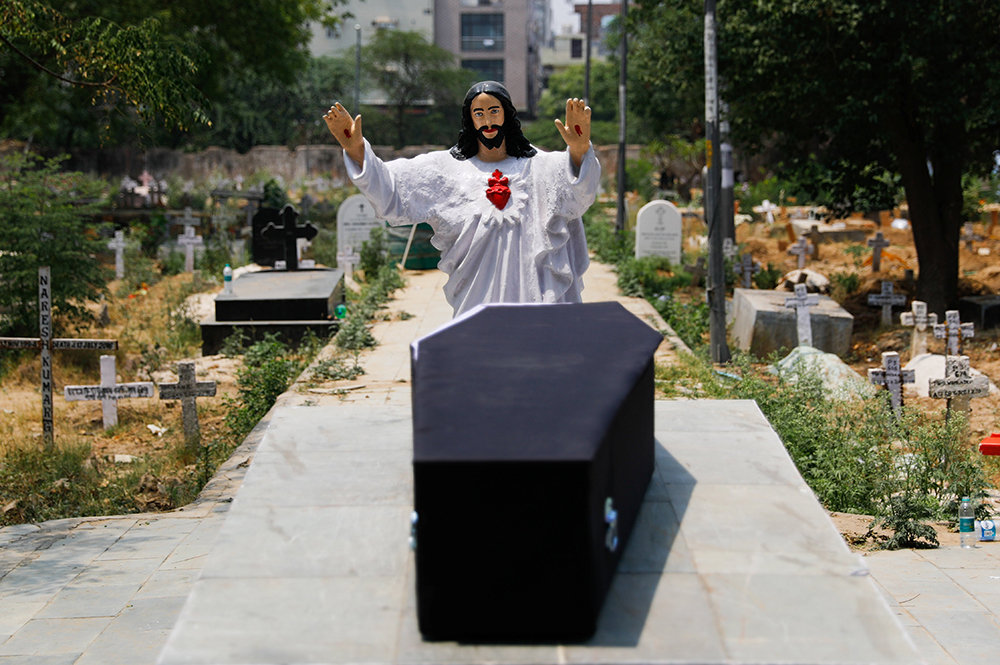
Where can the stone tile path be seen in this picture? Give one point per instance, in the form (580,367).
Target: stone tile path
(110,590)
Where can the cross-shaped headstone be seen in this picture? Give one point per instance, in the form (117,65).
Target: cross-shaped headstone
(953,330)
(746,269)
(349,258)
(45,343)
(187,389)
(109,392)
(886,300)
(118,244)
(816,238)
(969,236)
(800,249)
(188,219)
(289,233)
(145,178)
(728,248)
(958,385)
(919,319)
(697,271)
(188,242)
(878,243)
(893,378)
(802,301)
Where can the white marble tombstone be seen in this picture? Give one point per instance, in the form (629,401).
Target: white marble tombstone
(658,231)
(355,220)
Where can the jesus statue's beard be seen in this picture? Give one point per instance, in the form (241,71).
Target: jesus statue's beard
(494,142)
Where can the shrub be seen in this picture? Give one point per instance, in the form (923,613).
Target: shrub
(265,375)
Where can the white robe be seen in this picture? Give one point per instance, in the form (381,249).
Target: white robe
(532,251)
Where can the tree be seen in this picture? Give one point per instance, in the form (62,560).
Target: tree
(45,220)
(410,71)
(861,86)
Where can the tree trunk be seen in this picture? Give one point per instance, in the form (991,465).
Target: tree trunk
(935,207)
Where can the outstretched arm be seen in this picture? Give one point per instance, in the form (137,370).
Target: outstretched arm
(576,131)
(347,131)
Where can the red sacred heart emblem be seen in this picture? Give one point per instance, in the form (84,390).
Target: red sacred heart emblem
(498,192)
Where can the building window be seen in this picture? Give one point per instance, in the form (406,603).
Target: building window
(480,3)
(333,33)
(482,32)
(487,70)
(576,48)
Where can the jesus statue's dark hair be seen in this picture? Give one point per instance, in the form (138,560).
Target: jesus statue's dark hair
(468,141)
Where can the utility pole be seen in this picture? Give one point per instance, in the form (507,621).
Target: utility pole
(713,216)
(586,67)
(621,218)
(357,71)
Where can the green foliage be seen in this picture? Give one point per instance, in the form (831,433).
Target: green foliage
(903,518)
(639,175)
(235,344)
(354,333)
(45,220)
(689,320)
(266,373)
(374,252)
(768,277)
(844,284)
(648,277)
(334,369)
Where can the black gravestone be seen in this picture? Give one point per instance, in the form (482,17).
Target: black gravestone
(265,251)
(288,232)
(532,432)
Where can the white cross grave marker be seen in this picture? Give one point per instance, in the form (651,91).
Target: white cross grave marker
(45,342)
(728,248)
(109,392)
(893,378)
(886,300)
(954,330)
(802,302)
(118,244)
(919,319)
(878,243)
(958,385)
(188,242)
(800,249)
(746,269)
(187,390)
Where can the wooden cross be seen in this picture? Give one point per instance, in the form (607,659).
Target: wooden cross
(893,378)
(746,269)
(289,233)
(800,249)
(188,242)
(45,343)
(697,271)
(958,385)
(109,392)
(878,243)
(118,244)
(994,218)
(187,390)
(886,300)
(816,237)
(954,330)
(802,302)
(919,319)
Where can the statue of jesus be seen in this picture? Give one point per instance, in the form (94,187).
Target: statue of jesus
(505,215)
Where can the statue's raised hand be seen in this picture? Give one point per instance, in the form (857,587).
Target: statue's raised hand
(347,131)
(576,131)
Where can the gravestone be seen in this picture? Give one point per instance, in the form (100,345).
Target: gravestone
(801,302)
(878,243)
(658,231)
(109,392)
(886,300)
(355,220)
(982,311)
(800,249)
(954,331)
(729,248)
(746,269)
(762,324)
(188,241)
(892,377)
(919,319)
(958,386)
(265,251)
(697,271)
(187,390)
(46,343)
(118,244)
(815,237)
(289,233)
(969,236)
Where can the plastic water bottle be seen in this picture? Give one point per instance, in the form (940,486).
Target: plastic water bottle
(227,280)
(986,530)
(966,519)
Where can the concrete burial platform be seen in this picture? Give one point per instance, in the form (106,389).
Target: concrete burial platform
(732,560)
(762,324)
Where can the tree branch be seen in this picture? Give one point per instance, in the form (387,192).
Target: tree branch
(44,69)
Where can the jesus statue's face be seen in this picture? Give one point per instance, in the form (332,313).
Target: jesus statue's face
(487,120)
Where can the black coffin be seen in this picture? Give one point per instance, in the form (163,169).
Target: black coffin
(527,419)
